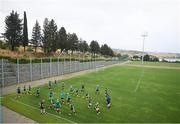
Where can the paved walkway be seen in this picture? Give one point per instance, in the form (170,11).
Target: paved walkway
(10,116)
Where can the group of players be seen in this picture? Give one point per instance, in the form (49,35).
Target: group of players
(56,104)
(65,98)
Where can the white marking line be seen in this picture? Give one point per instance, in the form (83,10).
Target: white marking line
(46,112)
(139,81)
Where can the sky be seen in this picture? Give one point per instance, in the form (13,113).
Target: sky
(119,23)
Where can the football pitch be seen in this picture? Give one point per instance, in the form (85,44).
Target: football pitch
(138,94)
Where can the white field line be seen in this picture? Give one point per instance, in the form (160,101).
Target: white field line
(46,112)
(139,81)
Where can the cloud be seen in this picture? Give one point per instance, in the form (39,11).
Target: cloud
(119,23)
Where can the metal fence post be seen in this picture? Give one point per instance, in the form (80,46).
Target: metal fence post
(70,63)
(83,62)
(64,65)
(95,61)
(79,63)
(18,71)
(2,65)
(58,65)
(41,69)
(74,63)
(50,68)
(91,62)
(30,69)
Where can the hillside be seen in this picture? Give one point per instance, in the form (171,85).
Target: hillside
(157,54)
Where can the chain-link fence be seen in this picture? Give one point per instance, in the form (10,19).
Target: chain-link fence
(24,70)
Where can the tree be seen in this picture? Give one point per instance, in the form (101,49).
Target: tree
(110,52)
(118,55)
(62,39)
(155,59)
(94,47)
(49,36)
(80,45)
(53,35)
(13,30)
(72,41)
(36,35)
(105,49)
(25,40)
(135,57)
(146,57)
(46,35)
(83,46)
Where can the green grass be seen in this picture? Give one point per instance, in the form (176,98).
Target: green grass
(156,63)
(157,98)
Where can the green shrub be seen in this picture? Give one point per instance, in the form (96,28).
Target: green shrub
(30,49)
(3,45)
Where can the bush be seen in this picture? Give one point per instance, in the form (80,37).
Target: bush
(44,60)
(30,49)
(3,45)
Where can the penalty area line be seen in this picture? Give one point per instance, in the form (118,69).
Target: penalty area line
(46,112)
(139,81)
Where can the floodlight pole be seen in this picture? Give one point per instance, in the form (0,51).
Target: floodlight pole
(143,36)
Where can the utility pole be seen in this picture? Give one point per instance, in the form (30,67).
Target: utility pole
(143,36)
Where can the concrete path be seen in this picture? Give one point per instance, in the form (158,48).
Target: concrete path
(10,116)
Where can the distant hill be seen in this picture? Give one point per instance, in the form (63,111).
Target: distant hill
(139,53)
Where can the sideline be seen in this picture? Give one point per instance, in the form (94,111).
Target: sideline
(151,66)
(139,81)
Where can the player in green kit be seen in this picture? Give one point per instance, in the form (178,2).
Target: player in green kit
(97,89)
(82,88)
(87,96)
(62,95)
(89,102)
(18,92)
(24,90)
(50,94)
(71,89)
(29,89)
(55,82)
(62,85)
(97,108)
(68,99)
(49,85)
(38,92)
(77,92)
(72,110)
(58,106)
(52,103)
(42,106)
(106,92)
